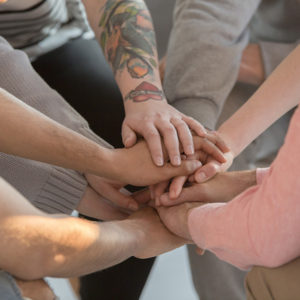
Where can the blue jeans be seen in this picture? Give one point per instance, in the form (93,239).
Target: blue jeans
(8,287)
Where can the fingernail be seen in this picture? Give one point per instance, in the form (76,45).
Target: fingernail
(159,161)
(133,206)
(200,177)
(190,150)
(176,160)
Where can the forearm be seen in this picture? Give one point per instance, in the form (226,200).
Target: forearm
(64,246)
(27,133)
(125,31)
(34,244)
(277,95)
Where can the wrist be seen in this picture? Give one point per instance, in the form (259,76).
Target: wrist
(135,235)
(101,163)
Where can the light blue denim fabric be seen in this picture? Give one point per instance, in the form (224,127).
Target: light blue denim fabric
(8,287)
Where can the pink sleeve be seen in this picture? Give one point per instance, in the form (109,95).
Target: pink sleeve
(261,225)
(261,173)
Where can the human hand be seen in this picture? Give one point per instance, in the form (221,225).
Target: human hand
(35,289)
(210,167)
(222,188)
(153,120)
(98,207)
(176,218)
(251,67)
(111,194)
(154,238)
(135,166)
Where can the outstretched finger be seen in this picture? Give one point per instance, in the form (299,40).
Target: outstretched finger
(195,126)
(171,141)
(176,186)
(185,136)
(210,148)
(152,137)
(214,137)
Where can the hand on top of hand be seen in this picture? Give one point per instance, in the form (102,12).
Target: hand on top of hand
(135,166)
(153,120)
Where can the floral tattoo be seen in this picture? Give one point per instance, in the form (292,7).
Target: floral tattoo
(128,38)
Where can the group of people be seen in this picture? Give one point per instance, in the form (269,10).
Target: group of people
(230,66)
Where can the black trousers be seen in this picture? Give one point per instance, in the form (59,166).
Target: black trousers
(79,72)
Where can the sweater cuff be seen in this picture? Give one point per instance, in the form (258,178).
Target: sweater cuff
(261,174)
(203,110)
(197,224)
(62,191)
(273,54)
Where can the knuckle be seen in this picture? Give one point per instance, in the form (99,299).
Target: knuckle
(150,132)
(169,129)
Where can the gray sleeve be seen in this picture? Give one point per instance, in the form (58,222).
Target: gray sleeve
(50,188)
(204,54)
(274,53)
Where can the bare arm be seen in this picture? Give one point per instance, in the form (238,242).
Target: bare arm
(34,244)
(125,31)
(27,133)
(279,94)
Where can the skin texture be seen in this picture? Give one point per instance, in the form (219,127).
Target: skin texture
(222,188)
(125,31)
(62,246)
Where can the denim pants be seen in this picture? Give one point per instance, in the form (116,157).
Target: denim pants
(8,287)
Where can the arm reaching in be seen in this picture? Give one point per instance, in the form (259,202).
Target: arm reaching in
(125,31)
(275,97)
(40,138)
(35,245)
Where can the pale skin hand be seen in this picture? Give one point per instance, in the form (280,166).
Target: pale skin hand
(222,188)
(113,191)
(252,68)
(100,207)
(210,167)
(130,164)
(128,42)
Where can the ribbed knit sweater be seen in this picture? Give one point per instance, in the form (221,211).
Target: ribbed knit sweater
(206,45)
(50,188)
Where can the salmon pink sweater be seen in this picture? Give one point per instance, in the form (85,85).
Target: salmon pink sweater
(261,226)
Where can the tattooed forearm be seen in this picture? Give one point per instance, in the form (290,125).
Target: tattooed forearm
(144,92)
(128,38)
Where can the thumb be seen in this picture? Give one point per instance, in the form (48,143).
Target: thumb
(189,194)
(187,167)
(128,136)
(207,171)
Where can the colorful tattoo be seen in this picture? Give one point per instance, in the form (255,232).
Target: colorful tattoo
(128,38)
(144,92)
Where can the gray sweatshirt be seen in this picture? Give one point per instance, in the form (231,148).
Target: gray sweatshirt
(50,188)
(206,45)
